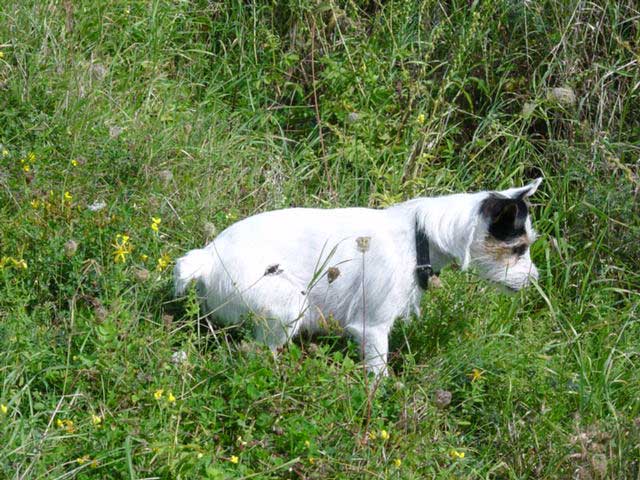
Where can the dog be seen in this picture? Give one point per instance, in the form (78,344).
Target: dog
(294,269)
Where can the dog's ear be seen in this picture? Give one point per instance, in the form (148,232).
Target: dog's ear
(506,217)
(520,193)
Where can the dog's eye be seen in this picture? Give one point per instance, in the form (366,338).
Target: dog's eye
(519,250)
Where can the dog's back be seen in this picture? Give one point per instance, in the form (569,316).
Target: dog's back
(277,262)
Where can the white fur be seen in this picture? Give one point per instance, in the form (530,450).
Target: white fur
(231,277)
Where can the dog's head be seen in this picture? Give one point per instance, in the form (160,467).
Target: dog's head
(500,248)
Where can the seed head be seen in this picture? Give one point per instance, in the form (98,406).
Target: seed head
(363,244)
(210,230)
(443,398)
(115,131)
(141,274)
(70,248)
(333,273)
(165,176)
(435,282)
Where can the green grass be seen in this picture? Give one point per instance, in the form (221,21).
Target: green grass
(203,112)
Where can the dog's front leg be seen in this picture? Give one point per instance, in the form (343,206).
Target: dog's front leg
(374,343)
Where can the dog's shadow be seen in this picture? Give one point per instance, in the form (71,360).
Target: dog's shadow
(213,335)
(411,343)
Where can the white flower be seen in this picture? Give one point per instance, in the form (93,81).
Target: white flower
(97,206)
(179,357)
(563,95)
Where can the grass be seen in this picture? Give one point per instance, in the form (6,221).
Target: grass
(200,113)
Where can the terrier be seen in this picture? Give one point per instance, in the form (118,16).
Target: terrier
(292,269)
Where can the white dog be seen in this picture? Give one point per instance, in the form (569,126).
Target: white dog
(293,269)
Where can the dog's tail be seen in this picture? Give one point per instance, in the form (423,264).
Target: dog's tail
(195,266)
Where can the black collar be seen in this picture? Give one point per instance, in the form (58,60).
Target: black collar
(424,270)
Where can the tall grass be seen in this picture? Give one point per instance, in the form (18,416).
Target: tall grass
(203,112)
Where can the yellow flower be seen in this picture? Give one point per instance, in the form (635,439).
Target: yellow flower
(31,157)
(26,168)
(163,262)
(234,459)
(1,54)
(158,394)
(3,408)
(121,248)
(455,454)
(312,460)
(421,119)
(171,398)
(35,203)
(66,424)
(120,254)
(397,462)
(18,263)
(475,374)
(144,257)
(96,419)
(74,162)
(68,197)
(372,436)
(155,224)
(83,459)
(307,443)
(5,152)
(384,435)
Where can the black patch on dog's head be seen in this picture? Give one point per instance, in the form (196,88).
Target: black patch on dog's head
(506,216)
